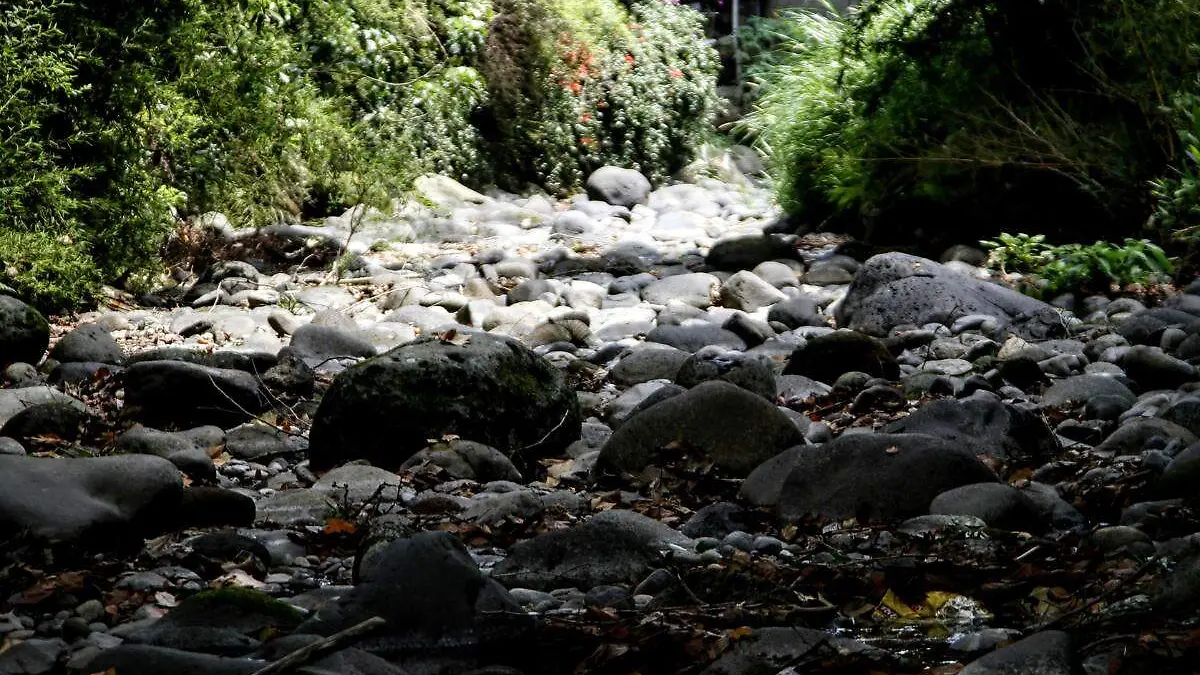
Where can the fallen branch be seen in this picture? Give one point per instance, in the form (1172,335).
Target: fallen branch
(308,653)
(1063,618)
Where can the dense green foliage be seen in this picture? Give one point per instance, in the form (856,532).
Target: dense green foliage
(117,118)
(913,119)
(583,83)
(1093,268)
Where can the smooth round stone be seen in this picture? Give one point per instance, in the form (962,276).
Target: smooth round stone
(950,367)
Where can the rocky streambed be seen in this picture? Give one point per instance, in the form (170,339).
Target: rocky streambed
(634,432)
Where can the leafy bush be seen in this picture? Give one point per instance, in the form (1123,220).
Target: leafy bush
(914,118)
(1177,195)
(578,85)
(118,117)
(1103,265)
(1096,267)
(1020,253)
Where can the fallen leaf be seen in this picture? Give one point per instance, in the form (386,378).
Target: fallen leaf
(237,579)
(740,632)
(339,526)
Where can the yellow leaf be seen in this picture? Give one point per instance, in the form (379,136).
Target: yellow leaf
(740,632)
(895,607)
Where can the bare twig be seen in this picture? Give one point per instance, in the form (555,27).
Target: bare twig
(1063,618)
(308,653)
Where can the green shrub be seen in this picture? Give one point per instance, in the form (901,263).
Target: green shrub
(51,272)
(1020,253)
(118,118)
(1177,194)
(1094,268)
(577,85)
(915,118)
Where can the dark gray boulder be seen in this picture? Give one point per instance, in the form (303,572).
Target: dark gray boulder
(1079,389)
(35,656)
(796,312)
(694,337)
(224,622)
(894,289)
(984,424)
(79,373)
(1152,368)
(717,520)
(827,357)
(321,346)
(657,362)
(743,253)
(189,457)
(735,428)
(89,342)
(132,659)
(585,556)
(24,332)
(1181,476)
(64,421)
(428,589)
(13,401)
(999,505)
(1145,327)
(180,394)
(772,649)
(876,477)
(764,484)
(1046,653)
(618,186)
(754,373)
(260,443)
(466,459)
(92,498)
(488,389)
(1131,437)
(254,363)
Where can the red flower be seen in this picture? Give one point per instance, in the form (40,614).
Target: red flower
(629,59)
(675,73)
(585,118)
(575,87)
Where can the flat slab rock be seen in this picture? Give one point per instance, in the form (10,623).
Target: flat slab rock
(67,499)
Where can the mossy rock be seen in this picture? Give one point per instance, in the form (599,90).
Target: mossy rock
(488,389)
(24,332)
(242,609)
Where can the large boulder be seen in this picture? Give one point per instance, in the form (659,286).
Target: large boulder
(24,332)
(744,252)
(65,500)
(1079,389)
(1046,653)
(827,357)
(876,477)
(15,401)
(181,394)
(735,428)
(894,289)
(427,587)
(88,343)
(984,424)
(618,186)
(187,453)
(223,621)
(320,346)
(594,553)
(483,388)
